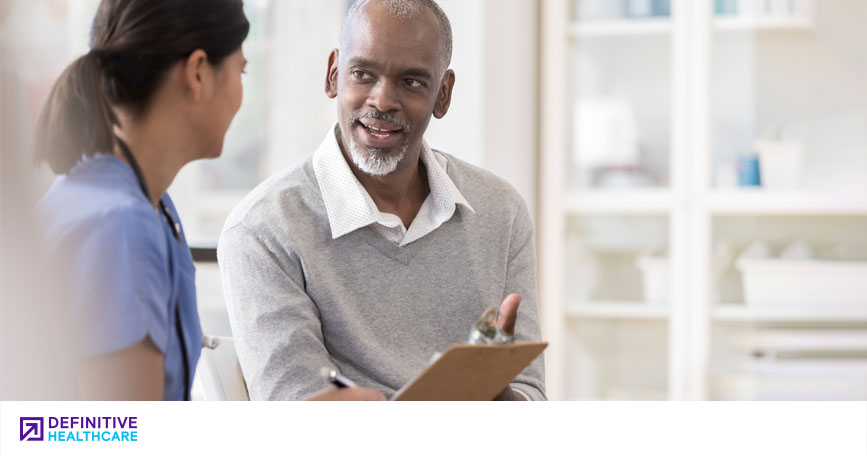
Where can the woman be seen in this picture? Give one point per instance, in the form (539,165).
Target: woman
(158,89)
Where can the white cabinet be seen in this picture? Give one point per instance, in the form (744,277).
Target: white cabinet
(653,126)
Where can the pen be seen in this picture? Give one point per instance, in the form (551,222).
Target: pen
(333,377)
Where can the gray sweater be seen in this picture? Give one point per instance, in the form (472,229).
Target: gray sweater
(299,300)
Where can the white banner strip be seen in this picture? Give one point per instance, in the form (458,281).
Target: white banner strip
(261,428)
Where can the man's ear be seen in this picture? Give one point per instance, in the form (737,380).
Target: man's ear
(444,98)
(331,74)
(197,74)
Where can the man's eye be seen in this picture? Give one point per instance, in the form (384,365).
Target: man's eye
(358,74)
(414,83)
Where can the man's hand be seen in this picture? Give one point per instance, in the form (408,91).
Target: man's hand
(332,393)
(506,319)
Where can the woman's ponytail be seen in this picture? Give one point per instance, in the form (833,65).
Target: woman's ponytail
(76,119)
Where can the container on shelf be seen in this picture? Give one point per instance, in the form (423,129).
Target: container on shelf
(764,9)
(639,8)
(655,277)
(781,163)
(606,150)
(796,280)
(598,9)
(808,379)
(725,7)
(779,8)
(612,9)
(751,8)
(749,173)
(662,8)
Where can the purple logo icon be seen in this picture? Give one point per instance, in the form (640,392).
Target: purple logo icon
(31,428)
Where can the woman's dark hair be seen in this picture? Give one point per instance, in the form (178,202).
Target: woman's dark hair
(133,45)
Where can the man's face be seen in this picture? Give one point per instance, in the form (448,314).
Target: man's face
(387,84)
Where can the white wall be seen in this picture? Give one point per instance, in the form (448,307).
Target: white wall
(298,79)
(511,94)
(460,132)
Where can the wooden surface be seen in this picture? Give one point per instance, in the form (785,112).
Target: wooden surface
(471,372)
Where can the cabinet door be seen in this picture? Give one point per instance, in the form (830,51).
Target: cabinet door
(789,177)
(789,97)
(619,94)
(617,293)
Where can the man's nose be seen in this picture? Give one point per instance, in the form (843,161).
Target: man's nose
(384,97)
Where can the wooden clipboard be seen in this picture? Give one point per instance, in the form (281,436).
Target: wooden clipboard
(470,372)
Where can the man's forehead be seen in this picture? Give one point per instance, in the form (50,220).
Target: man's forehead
(400,57)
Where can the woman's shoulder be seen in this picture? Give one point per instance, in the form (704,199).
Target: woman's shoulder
(100,185)
(97,200)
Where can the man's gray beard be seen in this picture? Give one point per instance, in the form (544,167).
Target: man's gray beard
(373,161)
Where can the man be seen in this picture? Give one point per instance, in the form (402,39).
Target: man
(377,252)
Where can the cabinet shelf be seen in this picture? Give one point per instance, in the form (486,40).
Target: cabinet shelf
(718,202)
(733,23)
(618,310)
(619,202)
(659,26)
(620,27)
(743,313)
(793,202)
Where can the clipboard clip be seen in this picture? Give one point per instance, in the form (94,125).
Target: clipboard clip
(486,331)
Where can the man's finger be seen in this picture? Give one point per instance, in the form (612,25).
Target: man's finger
(508,314)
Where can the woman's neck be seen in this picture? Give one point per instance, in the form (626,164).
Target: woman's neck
(158,153)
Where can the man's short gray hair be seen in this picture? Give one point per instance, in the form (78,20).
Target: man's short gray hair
(410,9)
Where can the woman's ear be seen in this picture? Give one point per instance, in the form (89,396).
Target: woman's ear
(197,75)
(331,74)
(444,98)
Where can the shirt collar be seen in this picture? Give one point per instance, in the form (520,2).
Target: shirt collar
(347,203)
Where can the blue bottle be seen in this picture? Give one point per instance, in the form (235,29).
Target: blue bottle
(639,8)
(748,171)
(661,8)
(725,7)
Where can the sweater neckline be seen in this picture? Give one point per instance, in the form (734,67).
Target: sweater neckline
(403,254)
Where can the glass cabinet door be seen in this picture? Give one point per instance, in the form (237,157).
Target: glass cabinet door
(615,205)
(787,204)
(620,93)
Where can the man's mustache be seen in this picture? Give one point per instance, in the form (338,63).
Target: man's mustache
(378,115)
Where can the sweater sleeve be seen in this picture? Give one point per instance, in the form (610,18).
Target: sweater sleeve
(521,279)
(275,324)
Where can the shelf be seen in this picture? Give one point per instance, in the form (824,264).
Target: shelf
(618,311)
(662,25)
(722,202)
(743,313)
(619,202)
(804,340)
(764,202)
(620,27)
(762,23)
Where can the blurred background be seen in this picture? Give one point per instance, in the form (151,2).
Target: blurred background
(697,172)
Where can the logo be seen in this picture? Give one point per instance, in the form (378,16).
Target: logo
(79,429)
(31,428)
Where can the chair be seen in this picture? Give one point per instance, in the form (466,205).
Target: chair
(219,372)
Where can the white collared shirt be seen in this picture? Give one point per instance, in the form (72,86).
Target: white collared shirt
(350,207)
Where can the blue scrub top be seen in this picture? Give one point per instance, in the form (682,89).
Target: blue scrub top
(127,270)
